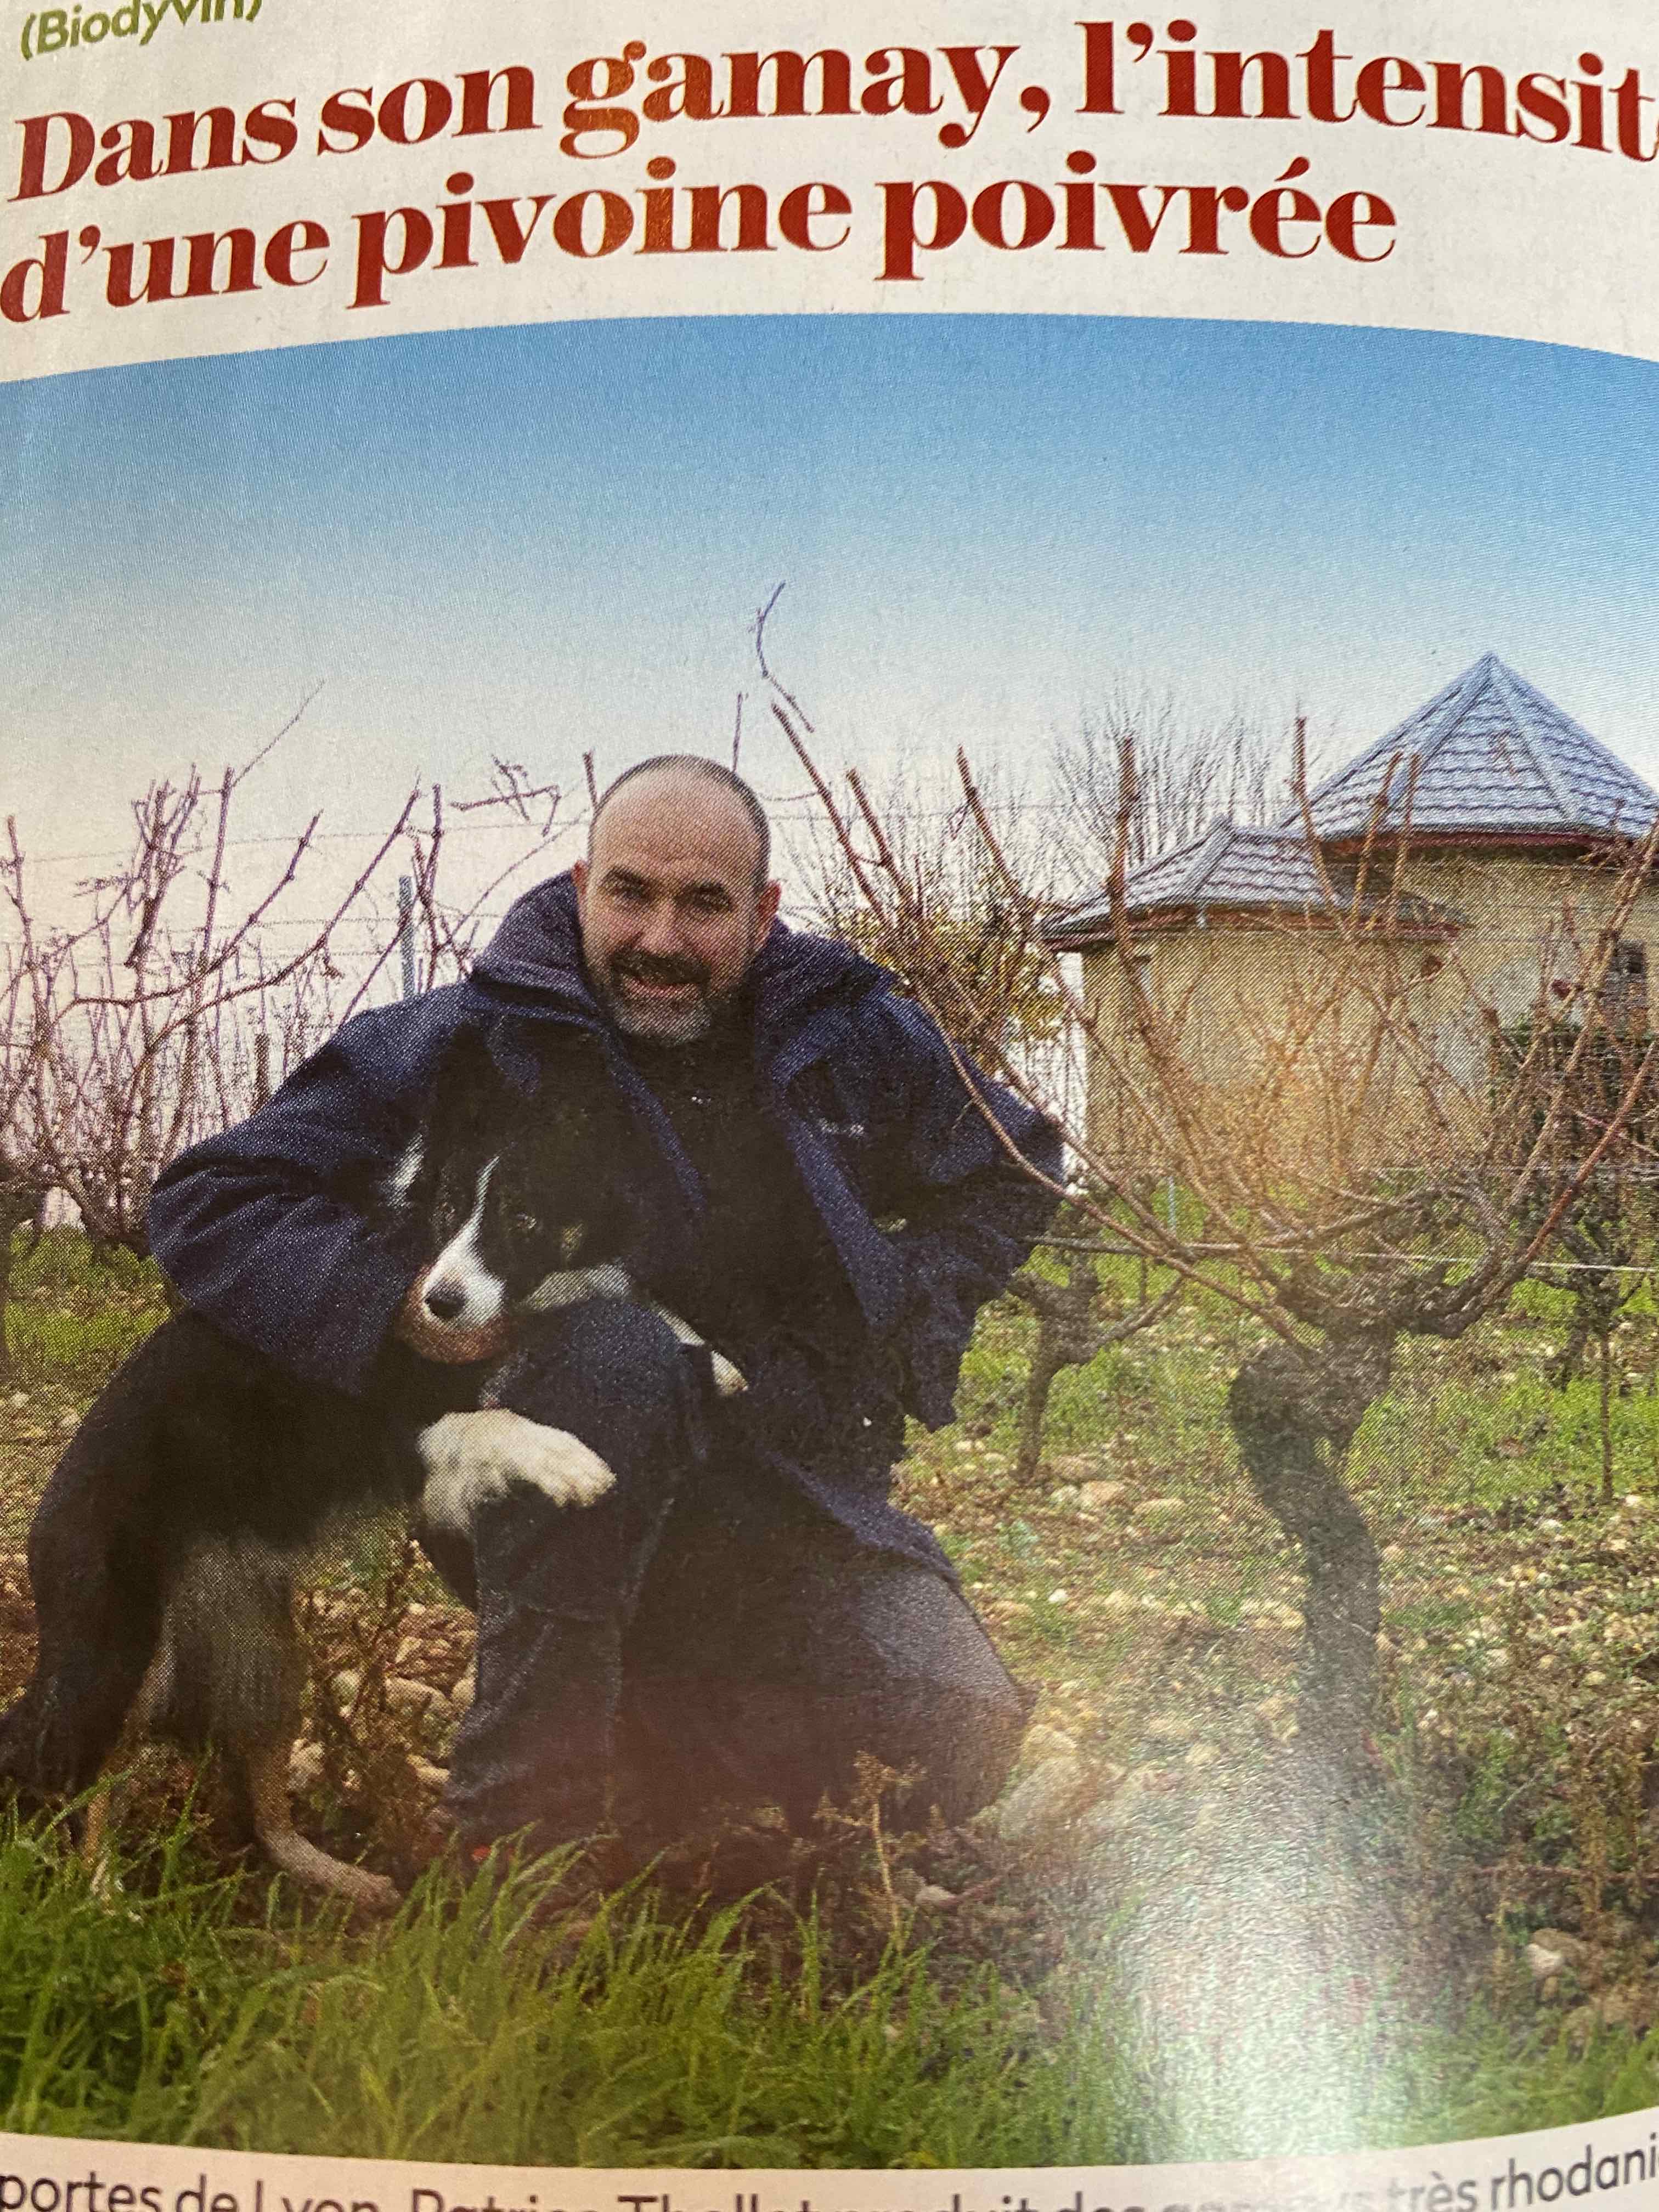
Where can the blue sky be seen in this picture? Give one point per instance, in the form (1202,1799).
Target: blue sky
(529,542)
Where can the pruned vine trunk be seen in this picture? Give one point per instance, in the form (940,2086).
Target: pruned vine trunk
(1069,1335)
(1047,1362)
(1294,1414)
(1066,1337)
(18,1206)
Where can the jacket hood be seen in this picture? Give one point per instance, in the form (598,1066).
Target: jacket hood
(535,961)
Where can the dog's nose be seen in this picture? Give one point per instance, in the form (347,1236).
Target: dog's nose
(444,1301)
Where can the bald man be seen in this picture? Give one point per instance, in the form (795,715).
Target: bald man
(745,1613)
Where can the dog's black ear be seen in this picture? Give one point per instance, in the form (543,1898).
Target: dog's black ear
(465,1095)
(574,1066)
(575,1075)
(461,1112)
(569,1054)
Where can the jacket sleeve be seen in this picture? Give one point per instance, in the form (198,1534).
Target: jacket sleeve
(973,1209)
(276,1230)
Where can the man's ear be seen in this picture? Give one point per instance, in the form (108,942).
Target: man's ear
(766,912)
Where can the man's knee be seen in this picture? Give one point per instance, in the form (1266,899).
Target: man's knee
(840,1654)
(935,1703)
(611,1373)
(949,1714)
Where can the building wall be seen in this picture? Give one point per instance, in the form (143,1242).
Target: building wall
(1272,1035)
(1531,920)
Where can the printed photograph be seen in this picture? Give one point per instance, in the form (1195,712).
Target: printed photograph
(828,1333)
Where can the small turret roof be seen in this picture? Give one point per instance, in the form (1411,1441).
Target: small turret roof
(1239,869)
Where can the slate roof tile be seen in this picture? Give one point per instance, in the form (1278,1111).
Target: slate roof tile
(1238,868)
(1492,755)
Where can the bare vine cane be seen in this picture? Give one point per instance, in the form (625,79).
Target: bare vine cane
(1355,1185)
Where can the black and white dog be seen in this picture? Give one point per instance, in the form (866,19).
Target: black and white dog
(164,1551)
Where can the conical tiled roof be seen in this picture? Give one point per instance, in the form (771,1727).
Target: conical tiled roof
(1492,757)
(1238,868)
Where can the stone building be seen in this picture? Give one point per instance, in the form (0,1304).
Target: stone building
(1461,869)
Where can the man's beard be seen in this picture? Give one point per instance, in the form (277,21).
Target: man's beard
(679,1022)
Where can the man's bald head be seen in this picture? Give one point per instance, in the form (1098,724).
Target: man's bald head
(683,766)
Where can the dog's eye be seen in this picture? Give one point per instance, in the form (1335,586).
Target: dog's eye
(523,1224)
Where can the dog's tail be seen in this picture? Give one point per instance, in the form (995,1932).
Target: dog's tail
(56,1738)
(99,1603)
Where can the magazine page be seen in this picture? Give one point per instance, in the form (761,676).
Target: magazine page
(828,1367)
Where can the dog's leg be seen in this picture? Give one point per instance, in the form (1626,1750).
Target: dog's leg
(235,1614)
(98,1611)
(472,1457)
(96,1824)
(105,1806)
(265,1771)
(728,1381)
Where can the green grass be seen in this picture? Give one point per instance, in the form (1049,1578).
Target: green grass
(205,2011)
(459,2032)
(1210,2099)
(71,1320)
(212,2010)
(1480,2081)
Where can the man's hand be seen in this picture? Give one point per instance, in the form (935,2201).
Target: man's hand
(432,1339)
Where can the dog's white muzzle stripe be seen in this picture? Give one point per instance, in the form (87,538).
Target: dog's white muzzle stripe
(460,1272)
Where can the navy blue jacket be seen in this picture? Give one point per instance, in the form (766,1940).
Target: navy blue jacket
(271,1229)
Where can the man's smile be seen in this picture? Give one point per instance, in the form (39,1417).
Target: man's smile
(668,983)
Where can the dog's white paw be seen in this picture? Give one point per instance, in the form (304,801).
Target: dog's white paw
(472,1457)
(728,1381)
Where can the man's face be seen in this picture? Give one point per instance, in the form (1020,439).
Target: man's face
(671,916)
